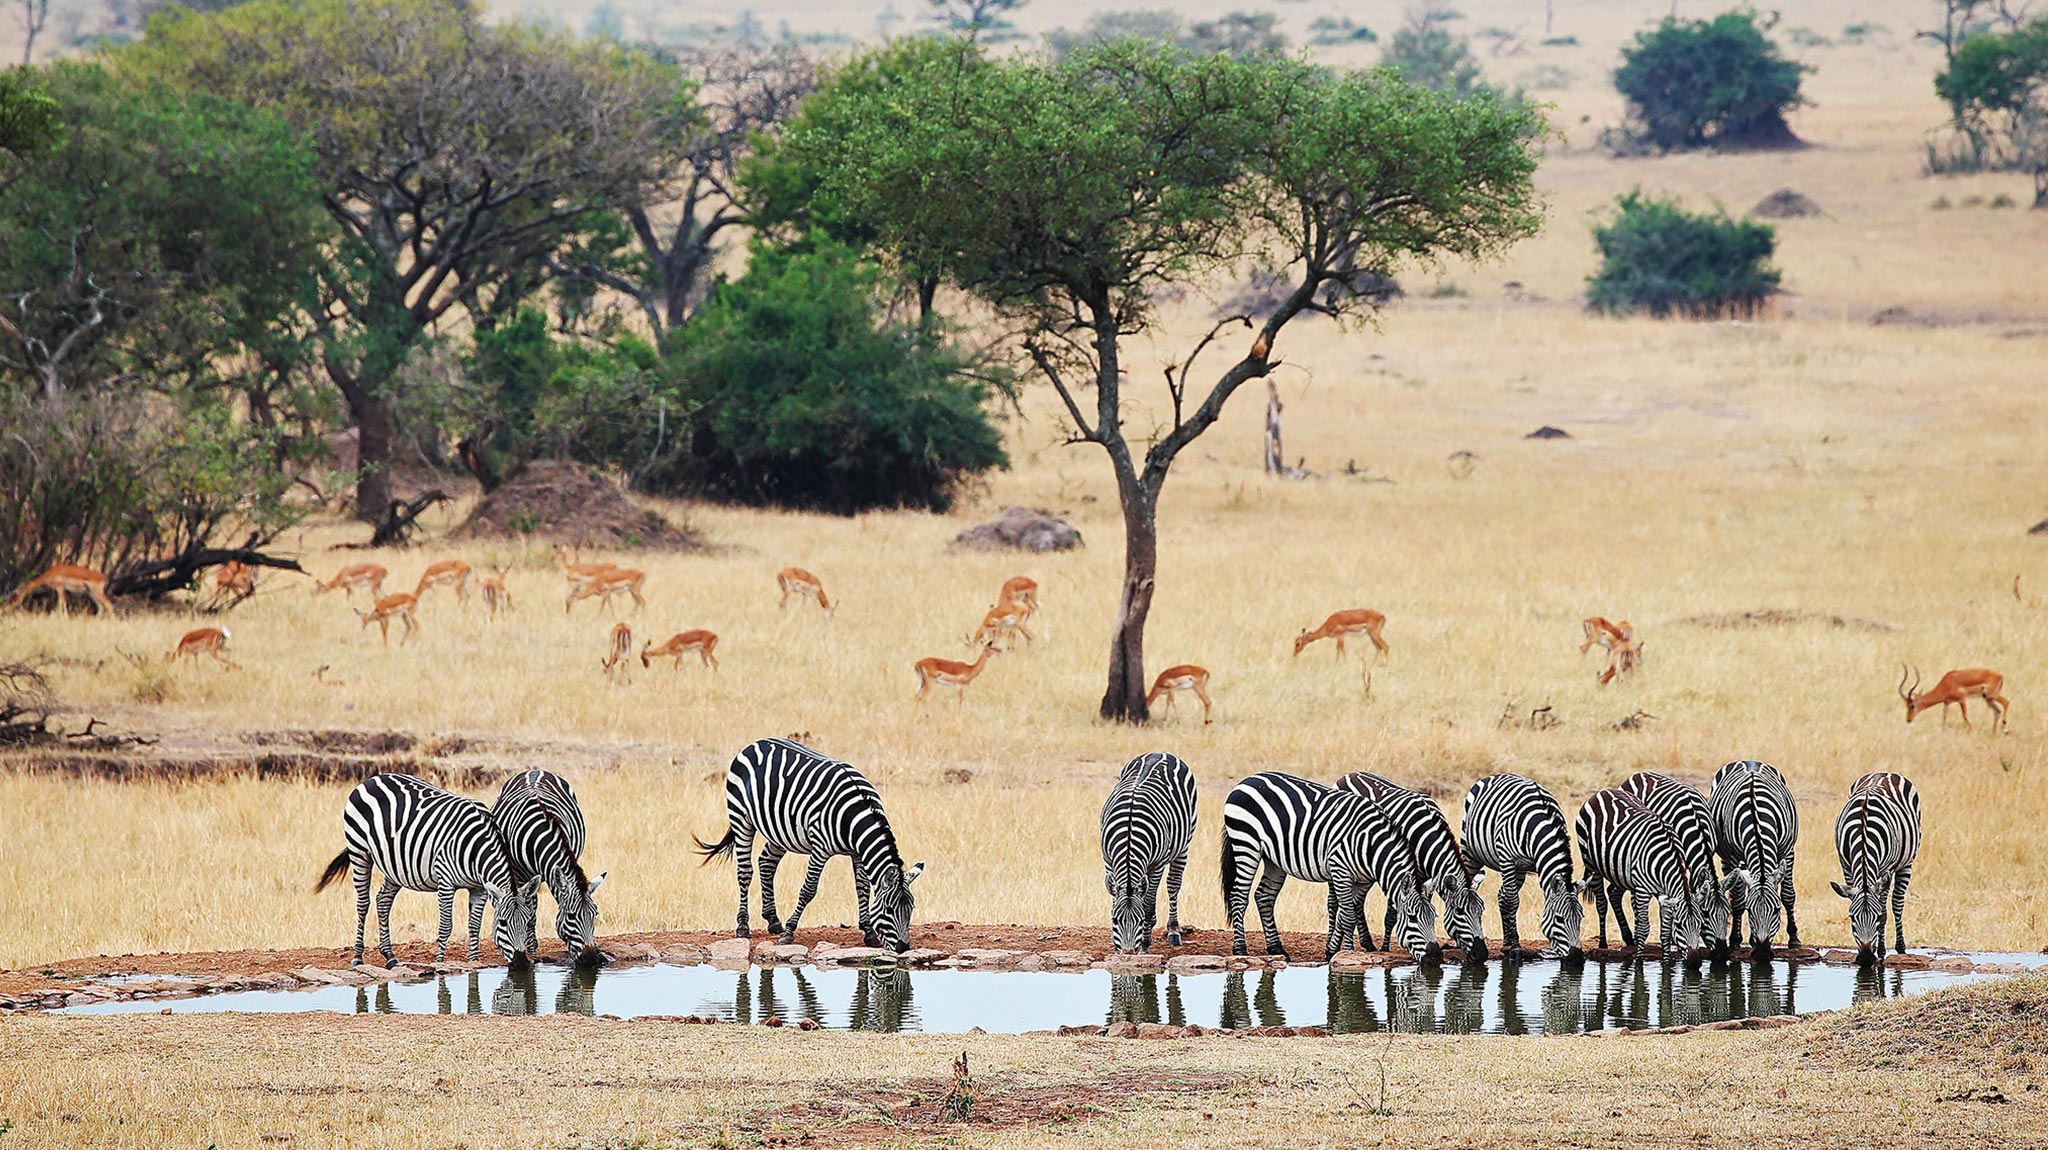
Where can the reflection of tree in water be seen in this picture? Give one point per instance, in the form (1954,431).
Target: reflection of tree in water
(1135,998)
(1564,1000)
(1351,1009)
(1875,983)
(519,993)
(881,1001)
(1264,1008)
(579,992)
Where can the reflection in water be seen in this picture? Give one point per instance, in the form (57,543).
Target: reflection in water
(881,1001)
(1264,1009)
(1874,984)
(1135,998)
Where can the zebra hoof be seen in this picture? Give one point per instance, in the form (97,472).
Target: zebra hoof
(774,928)
(789,938)
(1238,949)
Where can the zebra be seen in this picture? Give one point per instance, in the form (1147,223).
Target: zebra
(1685,811)
(801,802)
(537,813)
(424,838)
(1305,830)
(1147,825)
(1514,826)
(1877,836)
(1422,825)
(1624,842)
(1756,831)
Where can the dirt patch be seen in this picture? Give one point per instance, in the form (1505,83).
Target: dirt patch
(568,503)
(1020,529)
(1785,204)
(857,1114)
(284,764)
(2000,1025)
(1757,620)
(354,742)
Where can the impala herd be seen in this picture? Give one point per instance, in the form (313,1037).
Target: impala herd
(1001,627)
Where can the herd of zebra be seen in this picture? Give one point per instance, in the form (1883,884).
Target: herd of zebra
(1652,837)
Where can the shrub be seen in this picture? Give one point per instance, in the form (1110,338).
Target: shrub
(1425,52)
(1657,257)
(1340,30)
(1719,82)
(1996,83)
(805,395)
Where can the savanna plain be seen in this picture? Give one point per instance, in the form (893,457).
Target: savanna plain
(1787,510)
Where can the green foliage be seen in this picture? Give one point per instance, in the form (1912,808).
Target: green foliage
(28,116)
(1699,83)
(1996,83)
(806,396)
(1425,51)
(1657,257)
(1340,30)
(1239,34)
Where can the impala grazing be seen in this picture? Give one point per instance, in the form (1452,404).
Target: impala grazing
(368,576)
(1623,657)
(948,673)
(1956,687)
(804,585)
(66,580)
(400,607)
(1004,620)
(1023,592)
(1599,631)
(203,641)
(234,579)
(1186,677)
(1346,624)
(497,597)
(605,585)
(704,643)
(447,573)
(618,649)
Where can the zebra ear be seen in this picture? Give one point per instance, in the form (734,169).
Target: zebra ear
(596,882)
(910,876)
(1839,889)
(1473,880)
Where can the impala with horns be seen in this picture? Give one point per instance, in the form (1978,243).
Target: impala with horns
(1346,624)
(66,580)
(1955,687)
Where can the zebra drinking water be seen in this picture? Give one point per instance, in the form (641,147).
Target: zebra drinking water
(1514,826)
(1421,823)
(1684,810)
(801,802)
(543,827)
(1303,829)
(1625,843)
(424,838)
(1147,825)
(1877,836)
(1756,833)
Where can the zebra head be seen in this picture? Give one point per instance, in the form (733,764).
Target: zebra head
(1416,916)
(1866,917)
(1713,906)
(1564,917)
(891,903)
(576,915)
(1463,910)
(512,911)
(1130,920)
(1760,897)
(1688,916)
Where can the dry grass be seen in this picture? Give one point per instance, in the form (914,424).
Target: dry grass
(1812,463)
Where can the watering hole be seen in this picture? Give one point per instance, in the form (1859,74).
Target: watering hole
(1477,998)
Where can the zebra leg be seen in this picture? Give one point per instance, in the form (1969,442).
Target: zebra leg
(1642,905)
(386,895)
(812,874)
(359,870)
(771,860)
(1899,882)
(1628,935)
(1237,889)
(476,923)
(863,913)
(1387,927)
(1153,875)
(1791,899)
(743,865)
(1344,900)
(1175,871)
(1599,890)
(446,897)
(1738,898)
(1510,901)
(1268,897)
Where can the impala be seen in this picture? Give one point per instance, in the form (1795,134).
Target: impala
(1023,592)
(702,642)
(1623,657)
(368,576)
(1956,687)
(1002,621)
(400,607)
(948,673)
(1606,634)
(579,572)
(236,578)
(203,641)
(66,580)
(616,581)
(497,596)
(447,573)
(619,648)
(1346,623)
(804,585)
(1186,677)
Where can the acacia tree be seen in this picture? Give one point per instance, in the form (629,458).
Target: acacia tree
(1067,194)
(457,156)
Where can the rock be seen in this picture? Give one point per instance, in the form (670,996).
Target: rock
(1676,1030)
(732,949)
(922,956)
(1081,1031)
(1785,204)
(1020,529)
(1032,962)
(1192,1031)
(1728,1024)
(857,956)
(1953,965)
(1838,957)
(2040,528)
(1135,963)
(1908,962)
(328,977)
(1069,957)
(1193,962)
(1799,954)
(1268,1032)
(1776,1021)
(79,998)
(684,955)
(954,963)
(989,957)
(1157,1030)
(1121,1030)
(633,951)
(779,952)
(1610,1032)
(772,1021)
(1359,960)
(1548,432)
(2002,968)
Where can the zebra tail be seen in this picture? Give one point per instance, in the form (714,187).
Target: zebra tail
(713,850)
(334,870)
(1229,865)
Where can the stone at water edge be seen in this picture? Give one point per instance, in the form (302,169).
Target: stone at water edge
(1838,957)
(1181,962)
(732,949)
(1908,962)
(1955,964)
(922,956)
(1068,957)
(1157,1030)
(778,952)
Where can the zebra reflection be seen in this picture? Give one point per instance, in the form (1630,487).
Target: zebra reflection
(1875,984)
(578,994)
(518,993)
(1262,1010)
(1351,1008)
(1564,999)
(1135,998)
(376,1001)
(444,997)
(881,1001)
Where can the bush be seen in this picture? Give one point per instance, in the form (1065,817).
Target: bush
(805,395)
(1657,257)
(1700,83)
(1996,83)
(1425,52)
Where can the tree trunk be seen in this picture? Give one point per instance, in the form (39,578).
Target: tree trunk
(1123,700)
(1276,462)
(374,434)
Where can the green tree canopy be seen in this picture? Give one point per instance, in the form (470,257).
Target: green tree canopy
(1997,83)
(1700,83)
(1657,257)
(1065,194)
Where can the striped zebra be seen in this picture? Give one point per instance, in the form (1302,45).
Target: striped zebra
(801,802)
(1685,811)
(1514,826)
(424,838)
(1421,823)
(537,813)
(1756,831)
(1877,836)
(1623,842)
(1147,825)
(1305,830)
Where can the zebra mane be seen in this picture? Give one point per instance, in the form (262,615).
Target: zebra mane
(519,873)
